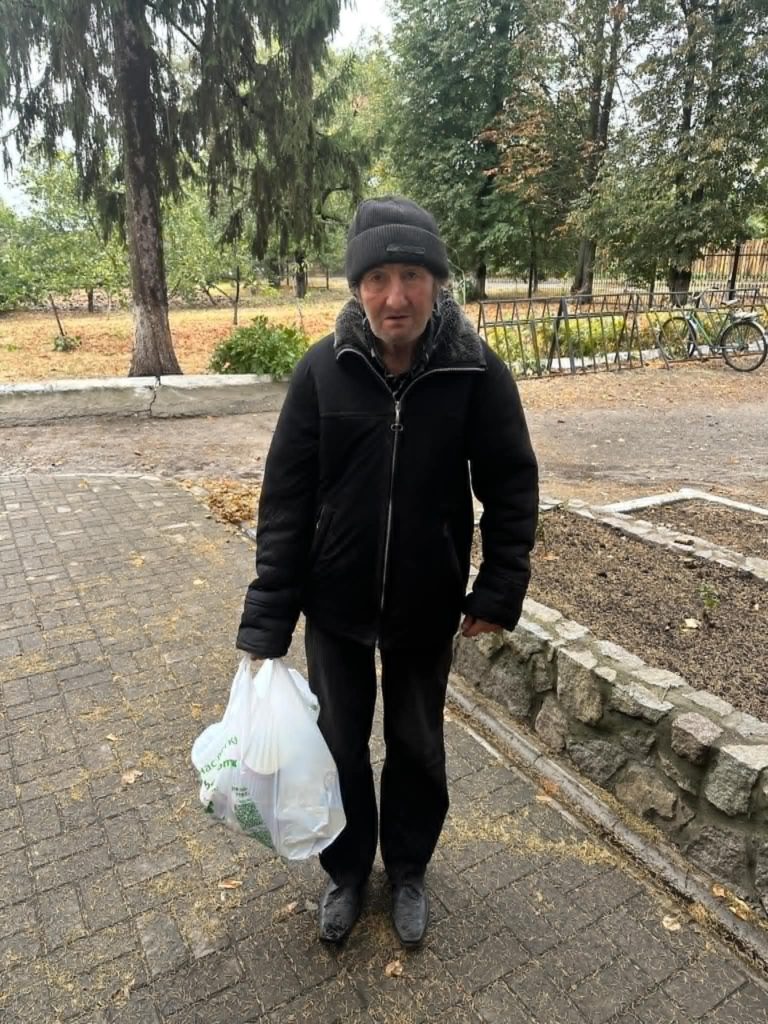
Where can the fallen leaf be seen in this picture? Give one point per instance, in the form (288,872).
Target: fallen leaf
(719,891)
(691,623)
(198,583)
(230,883)
(550,558)
(739,908)
(111,737)
(128,778)
(672,924)
(287,911)
(394,969)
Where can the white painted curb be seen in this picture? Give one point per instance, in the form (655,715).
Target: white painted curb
(162,397)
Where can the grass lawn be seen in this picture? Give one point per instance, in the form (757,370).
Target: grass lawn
(26,339)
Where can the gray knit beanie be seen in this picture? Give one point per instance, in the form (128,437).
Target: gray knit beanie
(393,230)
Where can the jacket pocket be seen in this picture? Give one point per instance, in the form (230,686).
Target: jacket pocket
(322,526)
(453,557)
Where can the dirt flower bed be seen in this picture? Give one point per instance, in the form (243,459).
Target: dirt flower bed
(743,531)
(704,621)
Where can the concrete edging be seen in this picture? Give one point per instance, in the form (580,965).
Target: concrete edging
(157,397)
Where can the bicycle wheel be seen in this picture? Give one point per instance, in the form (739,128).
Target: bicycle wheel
(744,345)
(676,338)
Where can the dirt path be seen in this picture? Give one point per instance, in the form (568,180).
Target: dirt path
(602,437)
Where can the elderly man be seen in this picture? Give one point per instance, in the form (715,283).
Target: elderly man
(365,525)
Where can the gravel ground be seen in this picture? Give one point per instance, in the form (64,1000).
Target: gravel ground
(601,437)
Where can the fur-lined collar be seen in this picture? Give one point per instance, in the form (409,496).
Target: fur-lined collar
(456,342)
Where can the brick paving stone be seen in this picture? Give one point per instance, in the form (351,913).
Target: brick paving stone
(161,942)
(334,1000)
(25,996)
(149,865)
(577,958)
(65,845)
(487,962)
(657,951)
(138,1008)
(15,879)
(236,1005)
(699,988)
(499,871)
(495,780)
(72,869)
(749,1005)
(612,989)
(199,981)
(125,835)
(112,911)
(61,916)
(20,947)
(10,840)
(543,996)
(201,927)
(497,1004)
(653,1009)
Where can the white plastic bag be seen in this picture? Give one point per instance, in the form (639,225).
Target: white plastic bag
(265,769)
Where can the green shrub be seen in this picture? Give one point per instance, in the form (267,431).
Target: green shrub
(263,348)
(66,342)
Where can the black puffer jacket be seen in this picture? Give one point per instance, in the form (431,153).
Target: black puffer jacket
(366,518)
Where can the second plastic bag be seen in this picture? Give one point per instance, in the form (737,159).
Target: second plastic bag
(265,769)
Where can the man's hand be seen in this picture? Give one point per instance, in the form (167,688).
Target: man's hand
(471,626)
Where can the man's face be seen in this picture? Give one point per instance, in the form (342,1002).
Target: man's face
(398,300)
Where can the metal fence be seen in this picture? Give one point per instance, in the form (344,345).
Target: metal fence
(543,336)
(744,266)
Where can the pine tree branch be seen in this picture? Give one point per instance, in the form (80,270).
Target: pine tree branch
(175,26)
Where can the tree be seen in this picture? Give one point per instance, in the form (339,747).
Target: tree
(198,257)
(115,72)
(689,170)
(21,281)
(72,251)
(711,69)
(454,62)
(538,140)
(597,29)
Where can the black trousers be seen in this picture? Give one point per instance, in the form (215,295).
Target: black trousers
(414,790)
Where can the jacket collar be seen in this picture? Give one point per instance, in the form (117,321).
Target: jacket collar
(454,341)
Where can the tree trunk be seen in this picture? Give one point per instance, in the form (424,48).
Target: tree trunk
(679,282)
(585,269)
(301,278)
(734,272)
(601,90)
(90,300)
(237,294)
(153,353)
(481,274)
(533,270)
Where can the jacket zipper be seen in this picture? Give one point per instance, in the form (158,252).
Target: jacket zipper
(397,428)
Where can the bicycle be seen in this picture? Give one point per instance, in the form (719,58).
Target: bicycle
(740,337)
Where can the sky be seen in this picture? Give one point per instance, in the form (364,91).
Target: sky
(361,16)
(358,17)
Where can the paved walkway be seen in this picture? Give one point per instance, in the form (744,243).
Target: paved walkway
(122,904)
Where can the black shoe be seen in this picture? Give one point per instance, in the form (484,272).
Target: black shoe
(339,909)
(410,910)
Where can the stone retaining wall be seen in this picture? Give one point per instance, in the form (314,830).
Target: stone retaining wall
(681,758)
